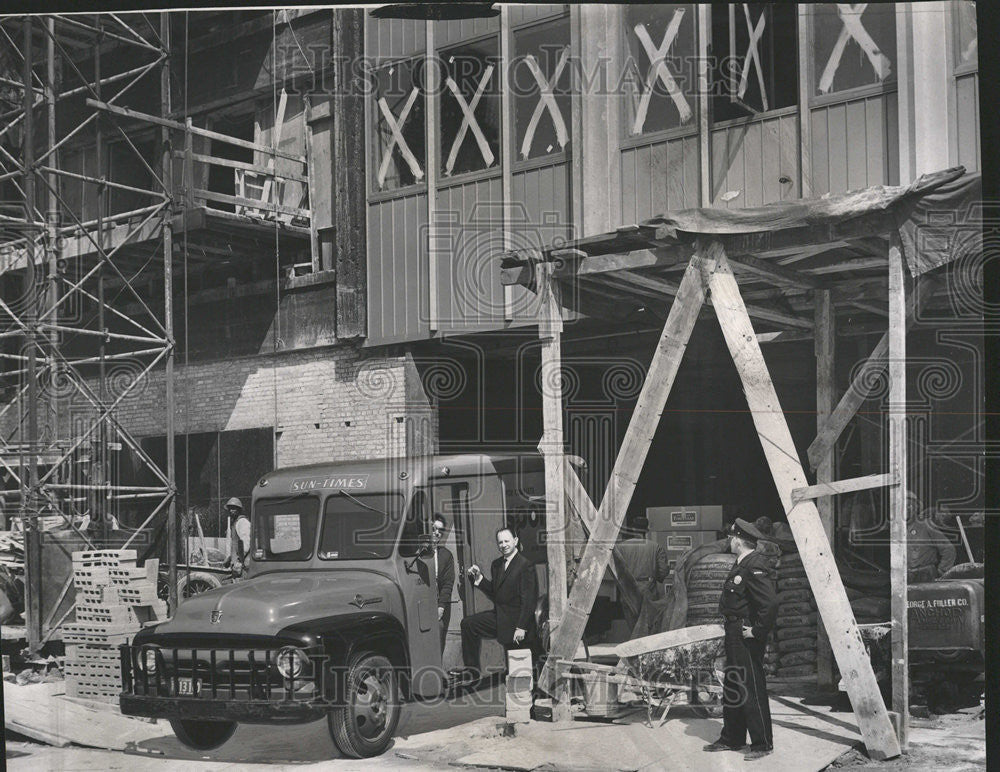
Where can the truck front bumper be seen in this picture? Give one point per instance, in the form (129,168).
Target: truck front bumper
(243,711)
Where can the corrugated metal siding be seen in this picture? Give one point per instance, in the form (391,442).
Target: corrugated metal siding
(468,231)
(397,270)
(394,38)
(540,215)
(751,158)
(851,148)
(521,14)
(658,177)
(967,113)
(448,32)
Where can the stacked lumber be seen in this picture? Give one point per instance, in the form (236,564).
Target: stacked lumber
(114,599)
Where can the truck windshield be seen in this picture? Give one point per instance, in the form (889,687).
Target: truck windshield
(360,526)
(285,528)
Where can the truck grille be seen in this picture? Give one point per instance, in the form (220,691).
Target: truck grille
(219,674)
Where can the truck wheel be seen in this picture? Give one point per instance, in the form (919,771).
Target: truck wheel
(196,583)
(202,735)
(365,725)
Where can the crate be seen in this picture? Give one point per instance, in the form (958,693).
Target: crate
(685,517)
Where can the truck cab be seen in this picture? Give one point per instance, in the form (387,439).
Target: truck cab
(338,615)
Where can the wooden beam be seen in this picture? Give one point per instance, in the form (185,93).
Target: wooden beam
(667,289)
(230,164)
(782,336)
(250,203)
(631,457)
(634,260)
(704,113)
(803,518)
(825,346)
(897,494)
(579,501)
(824,490)
(551,447)
(126,112)
(774,272)
(864,381)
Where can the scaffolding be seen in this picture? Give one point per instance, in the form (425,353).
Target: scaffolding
(87,266)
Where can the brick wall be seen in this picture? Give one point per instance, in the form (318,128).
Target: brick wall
(330,403)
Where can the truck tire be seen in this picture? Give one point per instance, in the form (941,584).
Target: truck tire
(202,735)
(704,597)
(364,726)
(196,583)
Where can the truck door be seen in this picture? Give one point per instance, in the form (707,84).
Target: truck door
(420,600)
(476,508)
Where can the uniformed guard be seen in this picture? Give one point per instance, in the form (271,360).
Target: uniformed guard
(749,607)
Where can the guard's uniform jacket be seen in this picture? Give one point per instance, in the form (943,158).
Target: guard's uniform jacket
(748,598)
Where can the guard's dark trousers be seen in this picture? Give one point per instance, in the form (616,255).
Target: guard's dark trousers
(744,691)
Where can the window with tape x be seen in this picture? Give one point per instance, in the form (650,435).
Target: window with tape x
(399,158)
(470,107)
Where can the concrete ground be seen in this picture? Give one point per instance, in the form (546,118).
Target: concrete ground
(468,732)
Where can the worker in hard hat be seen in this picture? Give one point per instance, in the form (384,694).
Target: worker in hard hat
(239,537)
(929,552)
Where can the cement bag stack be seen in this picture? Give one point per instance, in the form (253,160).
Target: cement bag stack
(704,588)
(793,642)
(114,599)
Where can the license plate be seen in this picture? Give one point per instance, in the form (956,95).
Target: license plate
(187,686)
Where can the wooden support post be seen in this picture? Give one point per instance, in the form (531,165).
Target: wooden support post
(897,494)
(803,518)
(579,501)
(551,448)
(631,457)
(826,337)
(862,385)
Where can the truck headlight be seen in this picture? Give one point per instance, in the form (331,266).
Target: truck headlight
(147,660)
(290,662)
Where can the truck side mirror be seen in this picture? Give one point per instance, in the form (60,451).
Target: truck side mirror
(419,547)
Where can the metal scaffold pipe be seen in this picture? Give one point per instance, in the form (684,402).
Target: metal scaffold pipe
(168,311)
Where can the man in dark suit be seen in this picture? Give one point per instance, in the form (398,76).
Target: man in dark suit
(514,591)
(443,565)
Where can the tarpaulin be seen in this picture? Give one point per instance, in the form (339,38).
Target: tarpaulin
(939,217)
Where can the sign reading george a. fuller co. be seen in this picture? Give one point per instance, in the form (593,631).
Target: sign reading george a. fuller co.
(339,482)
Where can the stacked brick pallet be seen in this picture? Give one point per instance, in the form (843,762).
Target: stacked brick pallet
(792,649)
(114,598)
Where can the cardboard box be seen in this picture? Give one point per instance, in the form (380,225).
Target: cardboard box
(684,517)
(672,540)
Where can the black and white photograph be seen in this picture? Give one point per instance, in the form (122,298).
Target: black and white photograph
(496,386)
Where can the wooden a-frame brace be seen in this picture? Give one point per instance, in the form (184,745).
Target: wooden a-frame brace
(708,271)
